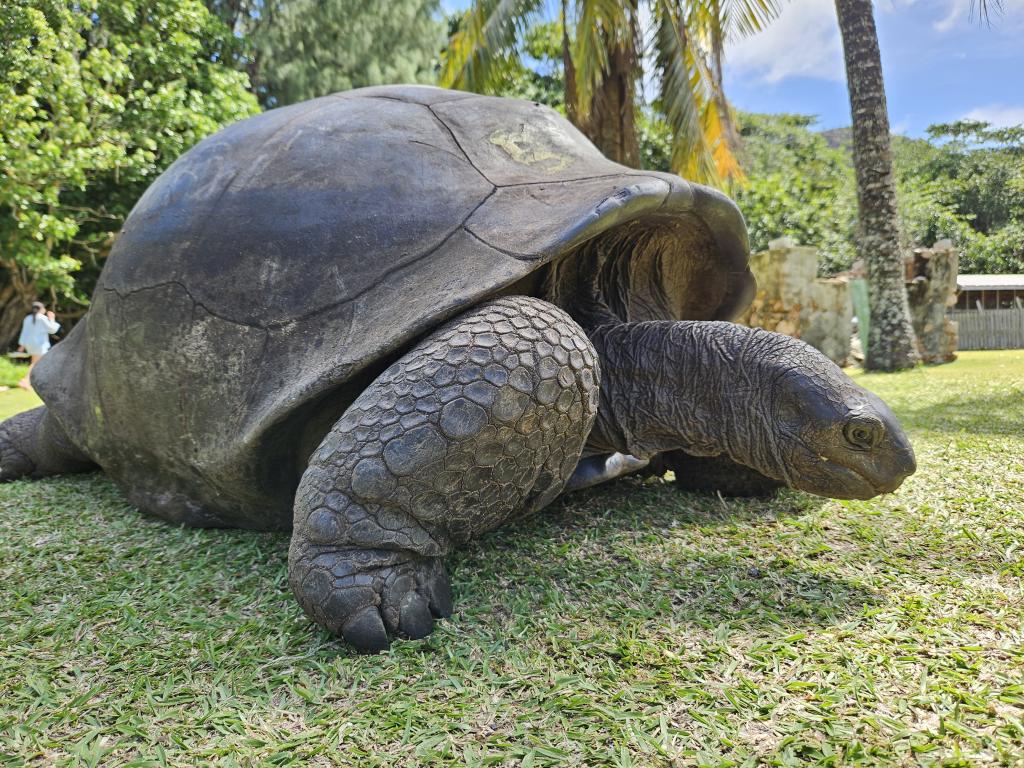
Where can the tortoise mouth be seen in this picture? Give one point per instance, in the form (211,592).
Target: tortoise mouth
(845,482)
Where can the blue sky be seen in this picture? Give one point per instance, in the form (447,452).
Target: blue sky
(939,63)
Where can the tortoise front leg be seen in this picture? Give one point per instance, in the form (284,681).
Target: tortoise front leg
(483,420)
(715,474)
(33,444)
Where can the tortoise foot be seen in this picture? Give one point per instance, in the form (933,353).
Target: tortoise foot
(716,474)
(366,595)
(13,463)
(32,444)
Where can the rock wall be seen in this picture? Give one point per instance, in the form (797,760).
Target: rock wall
(793,300)
(931,291)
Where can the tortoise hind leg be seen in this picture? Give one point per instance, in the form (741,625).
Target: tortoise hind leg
(482,421)
(33,444)
(715,474)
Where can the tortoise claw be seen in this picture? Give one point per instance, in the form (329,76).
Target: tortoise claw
(439,591)
(366,595)
(365,631)
(415,619)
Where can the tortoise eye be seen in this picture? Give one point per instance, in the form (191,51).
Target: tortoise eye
(863,433)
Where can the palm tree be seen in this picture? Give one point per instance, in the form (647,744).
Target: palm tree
(603,49)
(891,342)
(983,7)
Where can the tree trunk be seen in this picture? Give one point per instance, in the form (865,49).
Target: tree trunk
(611,124)
(569,70)
(891,343)
(16,299)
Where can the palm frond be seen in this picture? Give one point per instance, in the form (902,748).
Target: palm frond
(683,95)
(732,19)
(695,39)
(742,18)
(984,7)
(484,46)
(727,166)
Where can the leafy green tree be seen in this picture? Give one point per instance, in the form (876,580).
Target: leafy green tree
(246,20)
(966,183)
(316,47)
(982,169)
(97,97)
(797,186)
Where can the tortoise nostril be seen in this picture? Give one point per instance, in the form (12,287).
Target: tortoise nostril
(908,462)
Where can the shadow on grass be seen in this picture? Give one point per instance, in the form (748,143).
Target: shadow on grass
(633,503)
(606,557)
(994,414)
(615,551)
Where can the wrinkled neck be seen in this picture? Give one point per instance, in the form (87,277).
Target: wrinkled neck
(693,386)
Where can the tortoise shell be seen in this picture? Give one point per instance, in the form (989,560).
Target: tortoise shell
(279,265)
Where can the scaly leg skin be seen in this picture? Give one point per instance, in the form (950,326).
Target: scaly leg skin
(482,421)
(33,444)
(715,474)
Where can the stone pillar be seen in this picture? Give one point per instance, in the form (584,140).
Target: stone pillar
(931,290)
(791,299)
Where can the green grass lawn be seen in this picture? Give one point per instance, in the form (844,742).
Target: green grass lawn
(17,400)
(631,625)
(14,400)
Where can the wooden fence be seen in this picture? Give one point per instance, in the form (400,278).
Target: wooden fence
(990,328)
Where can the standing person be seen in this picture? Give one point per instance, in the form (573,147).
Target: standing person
(35,337)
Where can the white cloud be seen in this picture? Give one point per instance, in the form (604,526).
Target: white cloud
(1000,115)
(802,42)
(956,11)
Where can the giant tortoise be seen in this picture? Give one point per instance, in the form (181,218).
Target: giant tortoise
(392,319)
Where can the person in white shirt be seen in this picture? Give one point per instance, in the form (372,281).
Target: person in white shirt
(35,337)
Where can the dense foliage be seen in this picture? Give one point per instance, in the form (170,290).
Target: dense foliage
(965,182)
(312,48)
(798,186)
(96,99)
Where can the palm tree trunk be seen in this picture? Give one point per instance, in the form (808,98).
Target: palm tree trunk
(569,70)
(891,342)
(611,122)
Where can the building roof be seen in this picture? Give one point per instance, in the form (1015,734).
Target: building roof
(990,282)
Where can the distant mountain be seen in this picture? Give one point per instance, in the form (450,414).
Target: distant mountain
(839,138)
(842,138)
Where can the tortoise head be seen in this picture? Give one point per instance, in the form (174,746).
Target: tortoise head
(831,437)
(767,401)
